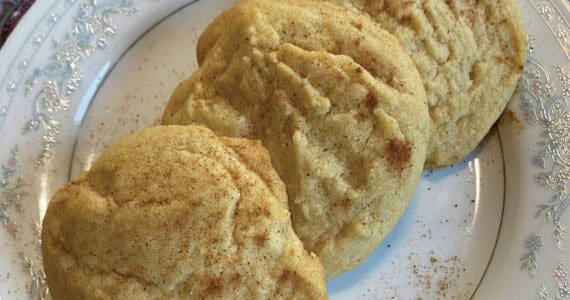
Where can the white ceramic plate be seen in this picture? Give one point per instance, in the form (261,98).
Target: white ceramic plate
(78,75)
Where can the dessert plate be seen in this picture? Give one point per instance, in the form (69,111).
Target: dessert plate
(76,75)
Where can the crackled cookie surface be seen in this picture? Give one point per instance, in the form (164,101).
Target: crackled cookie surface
(177,212)
(337,102)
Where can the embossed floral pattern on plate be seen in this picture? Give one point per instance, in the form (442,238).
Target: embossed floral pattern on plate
(50,85)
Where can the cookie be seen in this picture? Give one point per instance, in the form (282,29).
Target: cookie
(470,55)
(337,102)
(177,212)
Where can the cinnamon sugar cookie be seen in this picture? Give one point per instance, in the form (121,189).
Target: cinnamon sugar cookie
(337,102)
(176,212)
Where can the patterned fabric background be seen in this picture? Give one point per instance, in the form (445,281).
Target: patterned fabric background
(11,11)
